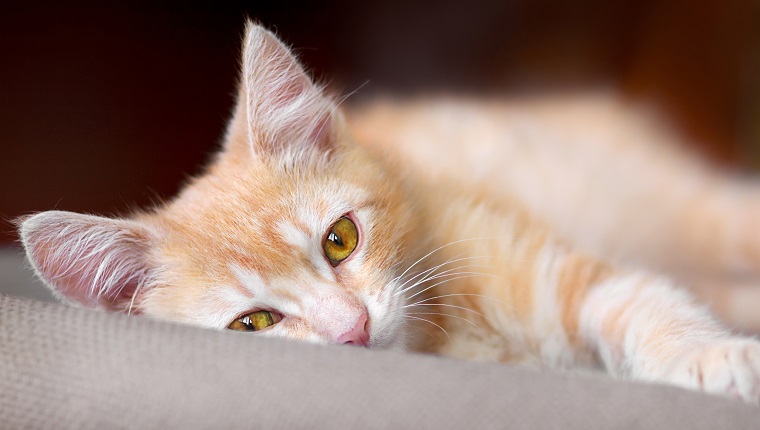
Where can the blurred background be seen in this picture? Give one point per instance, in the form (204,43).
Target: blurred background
(107,106)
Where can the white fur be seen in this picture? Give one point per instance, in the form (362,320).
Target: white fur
(293,236)
(667,337)
(547,323)
(649,307)
(250,280)
(282,103)
(641,327)
(83,257)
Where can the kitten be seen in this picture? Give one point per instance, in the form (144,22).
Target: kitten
(429,232)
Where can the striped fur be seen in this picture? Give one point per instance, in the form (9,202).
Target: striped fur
(518,231)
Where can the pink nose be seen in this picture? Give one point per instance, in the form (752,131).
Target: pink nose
(357,335)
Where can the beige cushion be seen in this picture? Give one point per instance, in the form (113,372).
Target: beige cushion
(63,367)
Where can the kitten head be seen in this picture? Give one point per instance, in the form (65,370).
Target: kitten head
(292,231)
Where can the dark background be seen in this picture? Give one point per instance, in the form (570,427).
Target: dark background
(108,106)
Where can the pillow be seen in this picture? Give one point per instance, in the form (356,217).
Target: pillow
(66,367)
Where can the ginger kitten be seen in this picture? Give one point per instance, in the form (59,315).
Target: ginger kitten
(437,226)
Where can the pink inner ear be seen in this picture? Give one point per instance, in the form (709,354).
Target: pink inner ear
(321,134)
(288,81)
(97,262)
(93,282)
(284,107)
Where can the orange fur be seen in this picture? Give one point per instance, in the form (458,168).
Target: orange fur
(484,227)
(578,275)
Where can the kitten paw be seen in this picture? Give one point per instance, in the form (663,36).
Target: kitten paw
(728,367)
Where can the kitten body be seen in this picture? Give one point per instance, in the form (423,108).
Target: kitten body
(469,217)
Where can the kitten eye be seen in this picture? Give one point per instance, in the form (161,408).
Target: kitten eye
(340,241)
(255,321)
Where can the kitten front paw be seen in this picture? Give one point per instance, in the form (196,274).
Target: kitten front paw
(728,367)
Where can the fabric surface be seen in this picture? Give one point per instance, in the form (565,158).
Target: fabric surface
(17,276)
(63,367)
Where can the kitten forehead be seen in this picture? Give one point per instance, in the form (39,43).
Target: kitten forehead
(250,279)
(295,236)
(306,244)
(309,218)
(319,212)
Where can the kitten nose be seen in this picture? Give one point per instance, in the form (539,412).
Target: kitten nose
(357,335)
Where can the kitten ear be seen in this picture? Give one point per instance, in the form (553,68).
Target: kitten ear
(94,261)
(286,113)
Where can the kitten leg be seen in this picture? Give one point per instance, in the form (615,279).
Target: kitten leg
(644,328)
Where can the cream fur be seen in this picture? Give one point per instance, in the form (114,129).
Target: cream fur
(506,230)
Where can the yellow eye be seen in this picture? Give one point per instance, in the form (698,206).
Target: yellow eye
(255,321)
(340,241)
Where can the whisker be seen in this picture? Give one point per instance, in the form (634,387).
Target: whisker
(431,322)
(445,275)
(461,294)
(446,305)
(451,277)
(444,246)
(443,314)
(335,108)
(418,273)
(432,269)
(423,329)
(413,274)
(456,276)
(409,335)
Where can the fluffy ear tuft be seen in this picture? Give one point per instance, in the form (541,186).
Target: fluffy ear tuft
(93,261)
(286,113)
